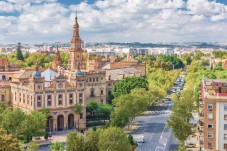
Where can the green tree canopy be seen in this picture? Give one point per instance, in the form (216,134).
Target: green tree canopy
(78,110)
(75,142)
(174,60)
(8,142)
(33,146)
(56,146)
(127,84)
(113,139)
(19,54)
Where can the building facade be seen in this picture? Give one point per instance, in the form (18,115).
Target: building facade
(213,114)
(60,89)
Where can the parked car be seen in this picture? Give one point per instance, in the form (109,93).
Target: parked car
(139,138)
(190,144)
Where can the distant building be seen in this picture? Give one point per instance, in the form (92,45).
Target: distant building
(213,114)
(164,51)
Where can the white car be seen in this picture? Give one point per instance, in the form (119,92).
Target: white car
(139,138)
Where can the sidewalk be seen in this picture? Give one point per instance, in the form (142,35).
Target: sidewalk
(59,136)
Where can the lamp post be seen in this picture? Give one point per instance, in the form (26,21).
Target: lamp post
(50,128)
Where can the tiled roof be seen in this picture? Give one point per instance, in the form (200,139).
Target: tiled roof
(127,71)
(25,74)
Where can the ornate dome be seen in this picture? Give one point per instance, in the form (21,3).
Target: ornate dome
(36,74)
(79,72)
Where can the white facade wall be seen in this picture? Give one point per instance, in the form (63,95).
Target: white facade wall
(220,132)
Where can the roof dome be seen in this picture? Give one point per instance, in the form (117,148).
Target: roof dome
(79,72)
(36,74)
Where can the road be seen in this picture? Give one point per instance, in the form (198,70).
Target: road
(152,126)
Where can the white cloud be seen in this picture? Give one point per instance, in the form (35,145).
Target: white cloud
(117,20)
(30,1)
(9,7)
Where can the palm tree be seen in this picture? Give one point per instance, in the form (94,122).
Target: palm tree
(78,111)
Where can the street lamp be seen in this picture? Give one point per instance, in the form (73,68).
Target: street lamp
(51,118)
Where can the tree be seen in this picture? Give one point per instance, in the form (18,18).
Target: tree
(33,125)
(8,142)
(12,120)
(75,142)
(173,59)
(92,106)
(19,54)
(56,146)
(104,110)
(33,146)
(127,84)
(91,140)
(78,111)
(113,139)
(64,58)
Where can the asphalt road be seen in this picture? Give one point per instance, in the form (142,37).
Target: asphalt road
(157,136)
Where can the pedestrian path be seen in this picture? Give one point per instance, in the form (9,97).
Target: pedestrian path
(59,136)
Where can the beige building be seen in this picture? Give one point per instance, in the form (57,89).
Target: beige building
(59,91)
(5,92)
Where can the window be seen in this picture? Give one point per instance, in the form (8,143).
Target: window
(80,94)
(210,125)
(225,117)
(210,106)
(225,136)
(60,99)
(210,115)
(71,98)
(80,98)
(225,107)
(97,79)
(81,115)
(39,101)
(109,84)
(3,97)
(102,101)
(101,92)
(93,79)
(210,135)
(49,100)
(225,126)
(24,98)
(101,78)
(27,99)
(209,145)
(90,79)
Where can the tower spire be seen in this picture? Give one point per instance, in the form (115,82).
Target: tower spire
(76,22)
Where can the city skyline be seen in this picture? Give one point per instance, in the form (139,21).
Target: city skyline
(33,21)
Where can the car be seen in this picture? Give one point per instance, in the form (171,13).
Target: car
(139,138)
(190,144)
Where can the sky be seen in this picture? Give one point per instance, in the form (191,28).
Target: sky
(36,21)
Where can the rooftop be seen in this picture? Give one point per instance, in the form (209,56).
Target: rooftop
(214,89)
